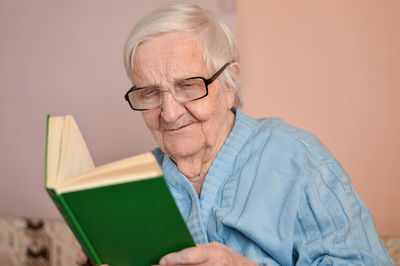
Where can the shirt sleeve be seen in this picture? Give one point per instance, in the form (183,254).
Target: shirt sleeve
(333,225)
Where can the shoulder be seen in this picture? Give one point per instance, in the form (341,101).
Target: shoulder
(295,152)
(292,141)
(268,144)
(288,162)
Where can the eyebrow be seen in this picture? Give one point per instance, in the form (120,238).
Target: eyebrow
(175,80)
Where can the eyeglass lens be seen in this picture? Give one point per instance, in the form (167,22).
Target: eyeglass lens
(183,91)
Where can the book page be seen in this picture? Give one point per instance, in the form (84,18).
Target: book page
(54,135)
(135,168)
(75,157)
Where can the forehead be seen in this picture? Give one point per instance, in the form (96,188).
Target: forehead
(169,56)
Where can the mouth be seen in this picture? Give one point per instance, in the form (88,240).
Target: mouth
(175,129)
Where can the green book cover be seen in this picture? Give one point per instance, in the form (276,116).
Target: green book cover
(121,213)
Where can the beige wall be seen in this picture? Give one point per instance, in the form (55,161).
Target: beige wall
(332,67)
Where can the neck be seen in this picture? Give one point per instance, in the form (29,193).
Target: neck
(195,167)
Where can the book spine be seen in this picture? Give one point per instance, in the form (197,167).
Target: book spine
(73,224)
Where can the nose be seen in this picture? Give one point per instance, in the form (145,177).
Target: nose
(171,110)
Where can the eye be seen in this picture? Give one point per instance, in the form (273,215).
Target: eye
(149,92)
(189,84)
(186,84)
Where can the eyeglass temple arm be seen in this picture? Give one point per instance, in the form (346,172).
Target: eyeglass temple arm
(218,73)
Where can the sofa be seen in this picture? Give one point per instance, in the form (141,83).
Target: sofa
(34,242)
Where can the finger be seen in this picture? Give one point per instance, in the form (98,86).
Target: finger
(193,255)
(81,258)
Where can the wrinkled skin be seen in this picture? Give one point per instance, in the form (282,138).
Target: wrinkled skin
(191,133)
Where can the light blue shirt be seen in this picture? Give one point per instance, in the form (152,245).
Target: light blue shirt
(276,195)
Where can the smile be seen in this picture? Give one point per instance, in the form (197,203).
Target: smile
(178,128)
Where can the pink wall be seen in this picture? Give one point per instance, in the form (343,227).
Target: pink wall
(332,67)
(65,57)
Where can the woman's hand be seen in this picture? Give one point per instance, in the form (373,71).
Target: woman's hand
(82,260)
(213,253)
(205,254)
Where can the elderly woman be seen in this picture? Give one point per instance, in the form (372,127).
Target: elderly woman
(251,191)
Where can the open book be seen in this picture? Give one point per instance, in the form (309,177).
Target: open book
(122,213)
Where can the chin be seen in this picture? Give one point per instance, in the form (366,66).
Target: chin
(182,150)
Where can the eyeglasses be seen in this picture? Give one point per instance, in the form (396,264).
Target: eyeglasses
(184,90)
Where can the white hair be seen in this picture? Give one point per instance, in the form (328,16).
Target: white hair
(219,44)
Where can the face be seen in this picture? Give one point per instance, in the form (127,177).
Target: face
(182,129)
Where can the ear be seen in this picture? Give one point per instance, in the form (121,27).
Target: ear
(235,69)
(230,93)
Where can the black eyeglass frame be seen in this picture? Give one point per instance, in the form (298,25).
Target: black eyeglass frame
(206,83)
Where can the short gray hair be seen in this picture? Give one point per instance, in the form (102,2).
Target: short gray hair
(219,44)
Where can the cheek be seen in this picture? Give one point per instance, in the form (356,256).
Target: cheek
(151,118)
(211,114)
(206,109)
